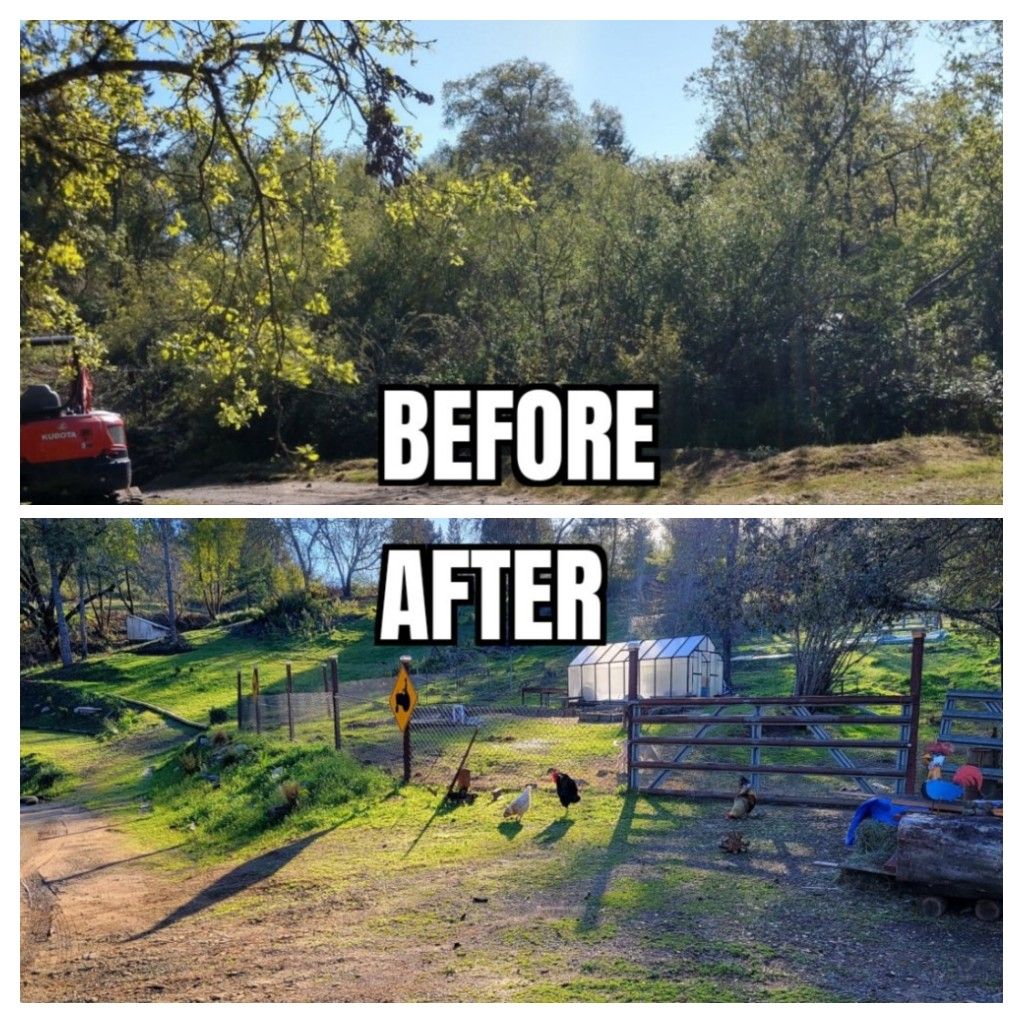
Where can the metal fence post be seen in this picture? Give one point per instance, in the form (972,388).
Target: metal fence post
(334,703)
(239,704)
(256,697)
(916,672)
(755,750)
(406,661)
(632,725)
(288,698)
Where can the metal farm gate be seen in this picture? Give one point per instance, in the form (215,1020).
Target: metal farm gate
(793,749)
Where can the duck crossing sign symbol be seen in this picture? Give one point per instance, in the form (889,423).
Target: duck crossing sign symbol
(403,698)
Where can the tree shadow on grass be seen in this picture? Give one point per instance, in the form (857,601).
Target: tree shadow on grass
(237,880)
(446,806)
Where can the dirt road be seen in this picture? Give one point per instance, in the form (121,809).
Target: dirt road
(336,492)
(103,923)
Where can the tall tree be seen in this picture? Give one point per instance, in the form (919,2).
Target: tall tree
(833,584)
(515,114)
(241,103)
(165,527)
(214,549)
(353,546)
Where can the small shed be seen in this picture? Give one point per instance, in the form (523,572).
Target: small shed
(140,629)
(681,666)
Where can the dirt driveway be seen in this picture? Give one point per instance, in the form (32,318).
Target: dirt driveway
(340,492)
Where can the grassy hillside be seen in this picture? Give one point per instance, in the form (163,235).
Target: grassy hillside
(961,662)
(192,682)
(938,469)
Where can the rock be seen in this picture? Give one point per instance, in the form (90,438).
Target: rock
(203,741)
(85,709)
(147,772)
(240,749)
(277,773)
(30,800)
(211,778)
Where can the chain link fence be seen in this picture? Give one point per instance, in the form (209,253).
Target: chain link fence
(516,737)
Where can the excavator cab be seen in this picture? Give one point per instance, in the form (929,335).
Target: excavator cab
(68,449)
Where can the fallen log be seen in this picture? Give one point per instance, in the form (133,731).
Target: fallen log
(962,856)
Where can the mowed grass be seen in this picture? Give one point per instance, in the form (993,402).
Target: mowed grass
(963,661)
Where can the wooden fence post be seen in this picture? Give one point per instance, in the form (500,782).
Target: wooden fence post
(288,698)
(916,671)
(334,703)
(256,697)
(406,661)
(239,680)
(327,685)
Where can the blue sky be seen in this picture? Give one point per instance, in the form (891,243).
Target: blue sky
(639,67)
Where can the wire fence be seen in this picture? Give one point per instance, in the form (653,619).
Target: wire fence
(514,742)
(517,731)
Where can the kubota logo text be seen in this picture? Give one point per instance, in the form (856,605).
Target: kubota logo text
(60,435)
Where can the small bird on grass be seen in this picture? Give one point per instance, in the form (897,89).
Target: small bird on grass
(744,801)
(520,805)
(568,791)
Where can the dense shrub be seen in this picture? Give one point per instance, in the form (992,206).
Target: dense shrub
(42,778)
(302,613)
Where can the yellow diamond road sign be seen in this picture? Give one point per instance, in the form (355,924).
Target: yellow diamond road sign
(403,698)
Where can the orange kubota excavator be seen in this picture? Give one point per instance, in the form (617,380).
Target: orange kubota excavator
(68,449)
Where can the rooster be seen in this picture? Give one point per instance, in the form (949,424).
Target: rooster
(744,801)
(568,791)
(520,805)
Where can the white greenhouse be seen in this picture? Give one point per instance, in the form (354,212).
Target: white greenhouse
(681,666)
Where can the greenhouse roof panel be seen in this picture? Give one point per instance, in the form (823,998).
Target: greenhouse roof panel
(666,647)
(584,656)
(692,643)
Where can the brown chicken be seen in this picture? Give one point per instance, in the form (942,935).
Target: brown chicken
(745,800)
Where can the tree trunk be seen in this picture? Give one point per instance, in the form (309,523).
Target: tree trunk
(172,618)
(960,854)
(83,624)
(64,640)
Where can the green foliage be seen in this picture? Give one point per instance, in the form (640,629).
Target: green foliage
(52,706)
(827,268)
(321,786)
(227,183)
(302,613)
(43,778)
